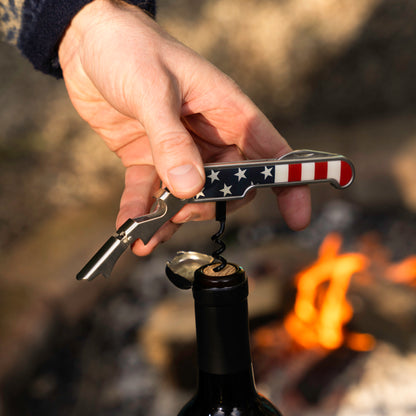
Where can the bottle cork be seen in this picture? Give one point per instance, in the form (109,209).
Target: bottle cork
(229,269)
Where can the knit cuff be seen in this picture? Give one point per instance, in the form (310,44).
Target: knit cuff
(44,23)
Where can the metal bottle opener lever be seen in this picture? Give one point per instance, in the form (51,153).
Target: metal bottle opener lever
(224,182)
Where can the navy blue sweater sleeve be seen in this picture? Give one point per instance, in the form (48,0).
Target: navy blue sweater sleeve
(43,24)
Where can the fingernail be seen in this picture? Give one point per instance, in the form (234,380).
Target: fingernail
(184,179)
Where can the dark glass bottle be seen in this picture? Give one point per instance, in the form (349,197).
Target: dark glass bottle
(226,383)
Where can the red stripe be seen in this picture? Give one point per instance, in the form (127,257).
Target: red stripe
(346,173)
(321,170)
(295,172)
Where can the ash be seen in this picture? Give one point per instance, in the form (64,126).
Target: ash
(387,386)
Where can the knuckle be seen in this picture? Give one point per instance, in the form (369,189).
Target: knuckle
(173,143)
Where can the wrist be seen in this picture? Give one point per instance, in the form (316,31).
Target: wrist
(44,25)
(89,16)
(94,21)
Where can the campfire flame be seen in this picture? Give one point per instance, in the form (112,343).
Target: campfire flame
(317,323)
(321,308)
(403,272)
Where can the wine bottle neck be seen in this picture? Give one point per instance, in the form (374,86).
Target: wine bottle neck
(236,388)
(226,382)
(224,359)
(223,338)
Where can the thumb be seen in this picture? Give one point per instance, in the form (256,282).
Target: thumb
(175,154)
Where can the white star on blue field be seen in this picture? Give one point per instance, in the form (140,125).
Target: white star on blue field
(233,182)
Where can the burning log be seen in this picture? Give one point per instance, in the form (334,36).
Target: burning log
(319,378)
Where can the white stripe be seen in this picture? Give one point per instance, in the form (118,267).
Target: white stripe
(334,170)
(281,173)
(308,171)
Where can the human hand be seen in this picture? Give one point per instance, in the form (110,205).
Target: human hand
(164,110)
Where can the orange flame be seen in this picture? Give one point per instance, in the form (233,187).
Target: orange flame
(321,309)
(403,272)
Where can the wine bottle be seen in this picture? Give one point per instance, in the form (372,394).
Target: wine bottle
(225,380)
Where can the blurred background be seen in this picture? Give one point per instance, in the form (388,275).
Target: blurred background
(332,75)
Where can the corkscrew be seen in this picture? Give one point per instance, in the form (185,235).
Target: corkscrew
(220,216)
(224,182)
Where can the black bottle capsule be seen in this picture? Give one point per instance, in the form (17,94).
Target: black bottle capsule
(225,380)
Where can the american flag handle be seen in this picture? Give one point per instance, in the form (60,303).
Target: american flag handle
(229,181)
(224,182)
